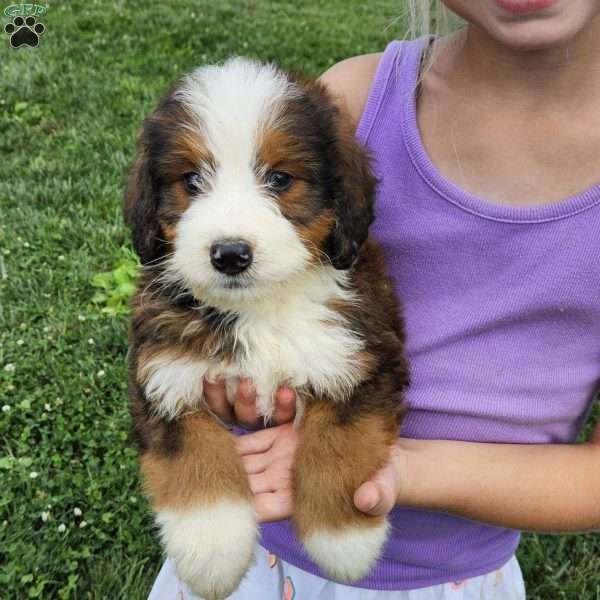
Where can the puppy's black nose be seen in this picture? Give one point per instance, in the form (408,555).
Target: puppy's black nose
(230,258)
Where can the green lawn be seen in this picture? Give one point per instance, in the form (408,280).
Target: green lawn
(73,523)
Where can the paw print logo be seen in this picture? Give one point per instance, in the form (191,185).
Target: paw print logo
(24,32)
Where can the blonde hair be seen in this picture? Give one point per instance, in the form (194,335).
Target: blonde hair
(429,17)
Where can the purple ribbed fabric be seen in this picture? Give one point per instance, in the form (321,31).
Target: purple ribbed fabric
(502,308)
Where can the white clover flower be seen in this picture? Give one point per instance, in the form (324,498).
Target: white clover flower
(47,407)
(33,475)
(5,408)
(20,342)
(82,524)
(62,528)
(91,341)
(45,516)
(77,512)
(101,373)
(10,368)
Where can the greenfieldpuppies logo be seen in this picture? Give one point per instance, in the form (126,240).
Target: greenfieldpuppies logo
(25,28)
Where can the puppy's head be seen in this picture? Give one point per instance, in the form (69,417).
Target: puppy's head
(246,177)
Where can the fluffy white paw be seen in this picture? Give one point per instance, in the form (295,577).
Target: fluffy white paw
(212,545)
(346,554)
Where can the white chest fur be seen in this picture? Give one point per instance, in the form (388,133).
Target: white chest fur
(294,338)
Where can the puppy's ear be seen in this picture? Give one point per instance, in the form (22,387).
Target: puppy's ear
(353,193)
(141,209)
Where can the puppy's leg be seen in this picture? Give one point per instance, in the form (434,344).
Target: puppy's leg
(336,454)
(201,497)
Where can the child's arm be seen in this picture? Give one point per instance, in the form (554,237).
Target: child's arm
(552,488)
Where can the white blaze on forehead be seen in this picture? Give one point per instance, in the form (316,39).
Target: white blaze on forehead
(234,103)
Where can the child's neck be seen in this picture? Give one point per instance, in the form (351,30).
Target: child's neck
(552,74)
(512,127)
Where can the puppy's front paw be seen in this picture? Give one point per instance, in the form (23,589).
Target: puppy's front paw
(212,545)
(334,457)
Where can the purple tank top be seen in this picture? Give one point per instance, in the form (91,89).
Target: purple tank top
(502,309)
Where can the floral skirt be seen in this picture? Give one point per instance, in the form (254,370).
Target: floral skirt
(271,578)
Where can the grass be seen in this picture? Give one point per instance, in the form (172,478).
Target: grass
(72,521)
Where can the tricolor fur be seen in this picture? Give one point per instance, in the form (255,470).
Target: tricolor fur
(249,204)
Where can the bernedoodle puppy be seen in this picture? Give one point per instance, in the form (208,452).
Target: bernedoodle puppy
(250,203)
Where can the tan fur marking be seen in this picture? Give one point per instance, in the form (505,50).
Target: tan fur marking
(169,231)
(145,355)
(205,469)
(189,151)
(315,234)
(332,461)
(180,199)
(280,151)
(368,364)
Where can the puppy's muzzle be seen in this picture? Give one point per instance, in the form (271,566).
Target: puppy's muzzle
(230,257)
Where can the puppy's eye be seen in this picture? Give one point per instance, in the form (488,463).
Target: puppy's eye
(192,182)
(279,181)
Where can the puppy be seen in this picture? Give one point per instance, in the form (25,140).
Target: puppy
(249,204)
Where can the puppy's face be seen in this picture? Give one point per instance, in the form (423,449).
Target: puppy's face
(244,179)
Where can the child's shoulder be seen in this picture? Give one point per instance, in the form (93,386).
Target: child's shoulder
(350,81)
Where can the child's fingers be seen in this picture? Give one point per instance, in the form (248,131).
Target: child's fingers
(256,442)
(245,404)
(255,463)
(261,483)
(216,398)
(273,506)
(368,499)
(285,405)
(277,476)
(377,496)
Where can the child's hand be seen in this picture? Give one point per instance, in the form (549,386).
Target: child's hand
(244,408)
(268,456)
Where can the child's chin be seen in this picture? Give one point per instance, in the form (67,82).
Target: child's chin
(536,34)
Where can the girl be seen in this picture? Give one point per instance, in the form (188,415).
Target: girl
(487,146)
